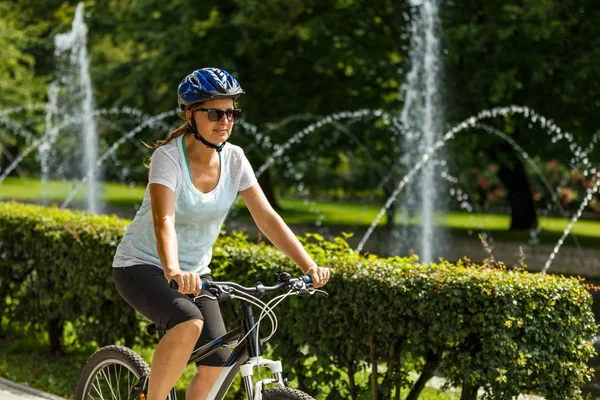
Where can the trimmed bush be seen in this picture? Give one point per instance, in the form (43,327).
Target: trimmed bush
(55,267)
(509,332)
(506,331)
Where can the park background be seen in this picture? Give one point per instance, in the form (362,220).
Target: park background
(346,103)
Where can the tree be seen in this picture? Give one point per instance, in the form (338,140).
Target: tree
(291,57)
(538,54)
(19,84)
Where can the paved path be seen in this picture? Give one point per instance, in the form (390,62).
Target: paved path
(14,391)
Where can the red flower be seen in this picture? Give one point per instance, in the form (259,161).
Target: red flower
(482,182)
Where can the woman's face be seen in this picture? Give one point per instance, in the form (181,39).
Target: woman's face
(214,131)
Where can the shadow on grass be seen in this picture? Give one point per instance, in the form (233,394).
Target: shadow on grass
(27,360)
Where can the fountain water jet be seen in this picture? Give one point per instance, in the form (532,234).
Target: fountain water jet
(148,122)
(590,193)
(472,122)
(422,115)
(297,137)
(72,94)
(331,119)
(36,141)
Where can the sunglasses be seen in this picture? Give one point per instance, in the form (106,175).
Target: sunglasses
(216,114)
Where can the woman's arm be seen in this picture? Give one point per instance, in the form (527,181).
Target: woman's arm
(163,216)
(276,230)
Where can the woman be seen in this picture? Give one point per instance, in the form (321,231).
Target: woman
(194,179)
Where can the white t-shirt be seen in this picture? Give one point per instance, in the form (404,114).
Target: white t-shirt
(198,216)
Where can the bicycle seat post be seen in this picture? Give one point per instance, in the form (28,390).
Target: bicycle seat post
(249,322)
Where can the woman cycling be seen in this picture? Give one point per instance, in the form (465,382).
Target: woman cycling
(193,181)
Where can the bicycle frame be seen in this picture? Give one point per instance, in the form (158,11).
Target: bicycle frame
(245,356)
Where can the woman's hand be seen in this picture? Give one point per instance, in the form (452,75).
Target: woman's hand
(187,282)
(319,275)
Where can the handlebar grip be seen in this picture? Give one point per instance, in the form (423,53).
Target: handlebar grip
(307,279)
(206,282)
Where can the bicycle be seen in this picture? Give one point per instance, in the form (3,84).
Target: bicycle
(117,372)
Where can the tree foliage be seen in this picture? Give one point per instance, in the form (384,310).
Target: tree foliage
(18,83)
(309,57)
(540,54)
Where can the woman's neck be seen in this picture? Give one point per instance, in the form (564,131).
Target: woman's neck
(198,152)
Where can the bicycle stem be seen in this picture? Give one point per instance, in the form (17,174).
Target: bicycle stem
(249,322)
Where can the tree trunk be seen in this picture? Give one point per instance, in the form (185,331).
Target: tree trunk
(520,198)
(55,335)
(268,189)
(373,368)
(300,375)
(393,366)
(351,380)
(388,378)
(432,362)
(4,285)
(469,392)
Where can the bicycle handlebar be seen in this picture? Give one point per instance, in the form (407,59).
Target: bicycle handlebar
(223,290)
(258,288)
(301,285)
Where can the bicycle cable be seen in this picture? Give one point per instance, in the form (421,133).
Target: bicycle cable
(267,310)
(260,304)
(274,329)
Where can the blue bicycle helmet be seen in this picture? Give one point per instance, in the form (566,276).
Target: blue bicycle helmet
(207,84)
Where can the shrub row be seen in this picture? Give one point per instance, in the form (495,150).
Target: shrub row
(481,326)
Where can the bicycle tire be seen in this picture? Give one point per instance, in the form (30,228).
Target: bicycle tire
(285,393)
(97,373)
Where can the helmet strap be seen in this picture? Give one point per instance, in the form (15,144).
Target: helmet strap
(208,144)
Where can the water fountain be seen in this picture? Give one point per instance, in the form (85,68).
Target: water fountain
(36,141)
(422,117)
(420,110)
(279,151)
(580,156)
(70,97)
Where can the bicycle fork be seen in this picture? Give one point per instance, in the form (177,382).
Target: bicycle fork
(254,392)
(256,360)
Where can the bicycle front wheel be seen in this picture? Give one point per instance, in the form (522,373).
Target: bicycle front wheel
(110,373)
(285,393)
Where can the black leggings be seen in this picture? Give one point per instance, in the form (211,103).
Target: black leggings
(145,288)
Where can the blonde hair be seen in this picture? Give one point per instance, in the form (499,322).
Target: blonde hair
(181,130)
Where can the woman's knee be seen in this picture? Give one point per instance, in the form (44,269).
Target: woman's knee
(194,324)
(190,328)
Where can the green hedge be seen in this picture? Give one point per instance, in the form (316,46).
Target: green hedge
(508,332)
(55,268)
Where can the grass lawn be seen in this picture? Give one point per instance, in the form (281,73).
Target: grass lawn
(30,189)
(456,223)
(299,211)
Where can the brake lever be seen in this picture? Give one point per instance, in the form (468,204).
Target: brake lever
(216,293)
(224,293)
(320,292)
